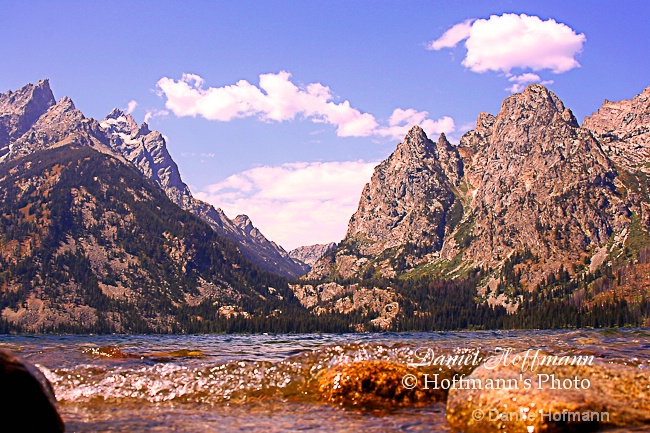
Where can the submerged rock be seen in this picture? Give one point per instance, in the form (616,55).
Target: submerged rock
(27,402)
(555,398)
(375,385)
(117,353)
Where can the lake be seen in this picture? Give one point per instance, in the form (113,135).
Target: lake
(233,383)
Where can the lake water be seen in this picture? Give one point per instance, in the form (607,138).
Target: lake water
(250,383)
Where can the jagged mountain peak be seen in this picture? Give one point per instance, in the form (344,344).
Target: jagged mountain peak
(115,113)
(536,105)
(119,122)
(406,206)
(65,104)
(242,221)
(31,91)
(19,110)
(29,125)
(443,142)
(416,143)
(144,129)
(623,129)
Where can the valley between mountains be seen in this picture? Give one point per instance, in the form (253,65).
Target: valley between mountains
(533,220)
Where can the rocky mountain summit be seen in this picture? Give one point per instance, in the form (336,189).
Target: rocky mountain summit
(32,121)
(527,195)
(21,109)
(537,184)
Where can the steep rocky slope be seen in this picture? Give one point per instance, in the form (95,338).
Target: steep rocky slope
(88,244)
(31,121)
(540,184)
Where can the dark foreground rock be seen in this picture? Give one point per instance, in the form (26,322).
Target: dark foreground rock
(375,385)
(27,402)
(557,400)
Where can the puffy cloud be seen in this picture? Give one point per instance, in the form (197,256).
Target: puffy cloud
(131,106)
(295,204)
(453,36)
(277,99)
(503,43)
(521,81)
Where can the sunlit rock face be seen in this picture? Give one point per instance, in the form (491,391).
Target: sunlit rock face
(528,188)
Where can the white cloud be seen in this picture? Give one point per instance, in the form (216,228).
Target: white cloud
(277,99)
(131,106)
(150,114)
(295,204)
(453,36)
(521,81)
(401,121)
(509,41)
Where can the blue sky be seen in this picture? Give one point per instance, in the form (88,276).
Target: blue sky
(287,149)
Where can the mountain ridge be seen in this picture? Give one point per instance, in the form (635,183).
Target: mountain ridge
(532,220)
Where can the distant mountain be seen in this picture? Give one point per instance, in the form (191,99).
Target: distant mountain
(623,129)
(31,121)
(310,254)
(529,199)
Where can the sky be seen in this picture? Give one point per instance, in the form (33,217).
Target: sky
(281,109)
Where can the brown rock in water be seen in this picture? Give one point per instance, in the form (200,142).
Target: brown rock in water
(621,391)
(116,353)
(109,352)
(27,402)
(374,385)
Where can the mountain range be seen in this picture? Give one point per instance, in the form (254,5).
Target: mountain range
(530,217)
(33,120)
(528,198)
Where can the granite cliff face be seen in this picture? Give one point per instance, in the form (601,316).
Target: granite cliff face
(310,254)
(404,212)
(31,121)
(527,195)
(623,129)
(408,197)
